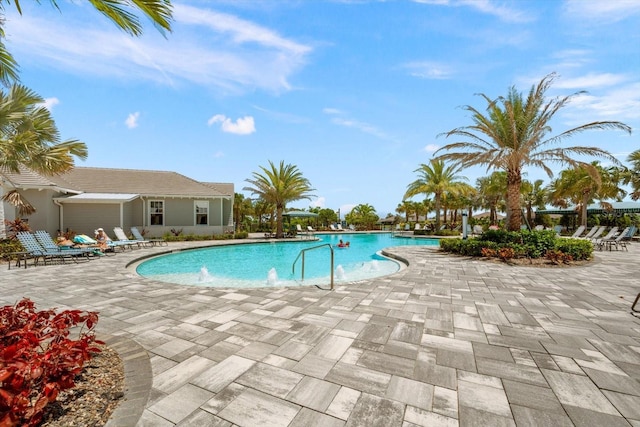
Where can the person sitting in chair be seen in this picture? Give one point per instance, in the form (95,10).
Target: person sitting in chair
(102,239)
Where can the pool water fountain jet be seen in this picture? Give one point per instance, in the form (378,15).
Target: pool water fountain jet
(340,273)
(272,277)
(204,275)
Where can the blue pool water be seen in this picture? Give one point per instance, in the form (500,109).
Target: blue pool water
(270,263)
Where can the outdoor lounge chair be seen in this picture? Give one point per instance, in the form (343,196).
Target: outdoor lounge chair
(47,242)
(122,238)
(37,252)
(332,227)
(152,242)
(340,227)
(600,242)
(477,230)
(618,241)
(578,232)
(595,232)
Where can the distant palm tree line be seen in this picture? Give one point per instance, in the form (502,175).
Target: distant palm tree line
(514,133)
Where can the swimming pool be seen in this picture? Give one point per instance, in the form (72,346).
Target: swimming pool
(269,264)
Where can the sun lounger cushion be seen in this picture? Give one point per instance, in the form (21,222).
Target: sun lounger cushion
(83,239)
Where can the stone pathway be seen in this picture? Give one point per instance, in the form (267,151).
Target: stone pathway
(448,341)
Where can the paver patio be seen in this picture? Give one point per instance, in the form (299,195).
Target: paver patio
(447,341)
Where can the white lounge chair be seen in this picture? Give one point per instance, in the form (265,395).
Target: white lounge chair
(151,242)
(599,242)
(123,239)
(578,232)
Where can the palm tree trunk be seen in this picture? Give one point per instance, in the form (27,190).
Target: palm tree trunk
(279,222)
(583,210)
(437,206)
(3,228)
(514,180)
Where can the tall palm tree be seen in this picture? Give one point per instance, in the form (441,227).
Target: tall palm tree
(514,133)
(438,179)
(405,208)
(29,138)
(581,187)
(279,186)
(120,12)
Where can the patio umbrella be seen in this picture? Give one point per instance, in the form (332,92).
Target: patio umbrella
(300,214)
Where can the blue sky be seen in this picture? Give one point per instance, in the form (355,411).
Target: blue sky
(354,93)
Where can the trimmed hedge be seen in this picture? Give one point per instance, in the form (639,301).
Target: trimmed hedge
(525,244)
(197,237)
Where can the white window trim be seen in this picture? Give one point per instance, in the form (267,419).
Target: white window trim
(195,211)
(164,211)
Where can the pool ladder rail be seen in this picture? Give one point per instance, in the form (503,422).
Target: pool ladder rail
(302,253)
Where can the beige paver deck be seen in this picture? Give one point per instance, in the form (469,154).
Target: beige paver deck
(447,341)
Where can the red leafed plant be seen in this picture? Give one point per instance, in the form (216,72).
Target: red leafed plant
(38,359)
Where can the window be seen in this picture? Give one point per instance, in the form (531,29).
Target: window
(156,212)
(202,212)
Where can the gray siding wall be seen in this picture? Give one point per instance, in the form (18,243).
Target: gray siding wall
(47,214)
(84,218)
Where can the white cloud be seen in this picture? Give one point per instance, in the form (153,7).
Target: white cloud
(429,70)
(620,103)
(243,126)
(208,48)
(590,80)
(601,11)
(331,111)
(218,155)
(132,120)
(49,103)
(488,7)
(318,203)
(361,126)
(430,148)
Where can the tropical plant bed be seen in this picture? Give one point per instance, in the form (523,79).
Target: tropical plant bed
(535,262)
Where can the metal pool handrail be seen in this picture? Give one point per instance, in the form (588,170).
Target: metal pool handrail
(301,254)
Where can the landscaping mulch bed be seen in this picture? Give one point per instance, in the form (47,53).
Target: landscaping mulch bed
(97,393)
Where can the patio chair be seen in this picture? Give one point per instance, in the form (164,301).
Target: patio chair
(151,242)
(417,227)
(599,242)
(340,227)
(619,241)
(36,251)
(332,227)
(477,230)
(122,238)
(595,232)
(578,232)
(539,227)
(47,242)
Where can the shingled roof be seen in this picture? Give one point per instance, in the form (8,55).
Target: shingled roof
(143,182)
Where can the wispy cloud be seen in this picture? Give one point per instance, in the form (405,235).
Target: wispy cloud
(208,48)
(132,120)
(429,70)
(340,118)
(431,148)
(621,103)
(218,155)
(49,103)
(242,126)
(601,11)
(283,117)
(488,7)
(591,80)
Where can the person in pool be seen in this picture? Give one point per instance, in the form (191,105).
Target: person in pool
(342,244)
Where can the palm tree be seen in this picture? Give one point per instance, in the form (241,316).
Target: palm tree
(632,175)
(533,195)
(364,215)
(514,134)
(438,179)
(279,186)
(29,138)
(405,208)
(581,187)
(120,12)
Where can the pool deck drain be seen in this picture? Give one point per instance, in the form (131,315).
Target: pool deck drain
(446,341)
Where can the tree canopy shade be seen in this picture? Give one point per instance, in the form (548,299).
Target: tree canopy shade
(120,12)
(514,133)
(279,186)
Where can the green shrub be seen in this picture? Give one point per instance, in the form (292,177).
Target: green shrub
(579,249)
(10,245)
(538,242)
